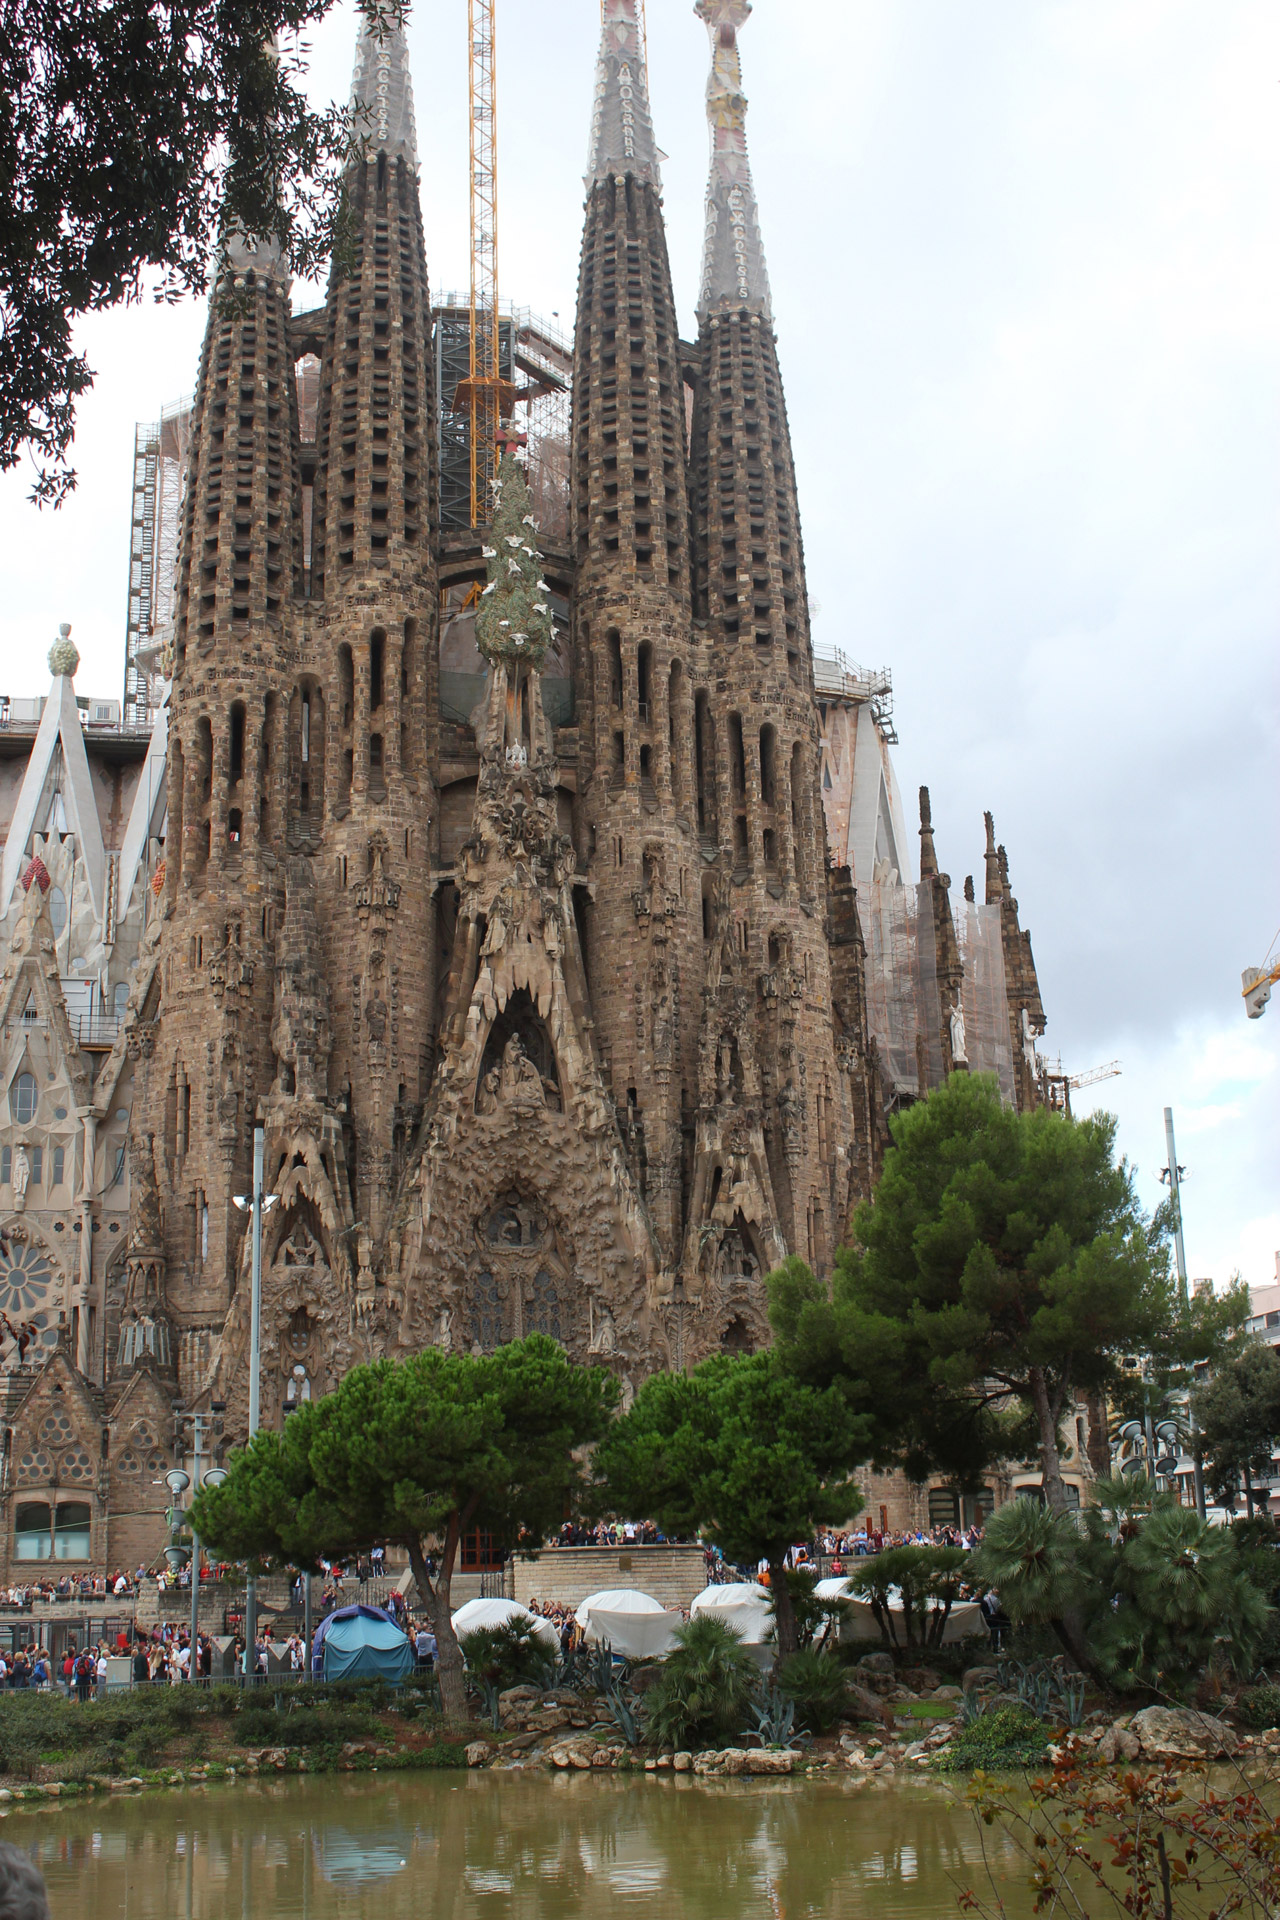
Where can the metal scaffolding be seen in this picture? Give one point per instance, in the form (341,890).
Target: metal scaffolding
(155,523)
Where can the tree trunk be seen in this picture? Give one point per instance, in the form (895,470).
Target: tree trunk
(1055,1491)
(784,1614)
(1248,1492)
(435,1596)
(1098,1450)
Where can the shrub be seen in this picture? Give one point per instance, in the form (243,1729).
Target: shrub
(1009,1737)
(508,1656)
(706,1686)
(1260,1706)
(816,1683)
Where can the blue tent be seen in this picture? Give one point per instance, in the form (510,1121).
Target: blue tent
(361,1643)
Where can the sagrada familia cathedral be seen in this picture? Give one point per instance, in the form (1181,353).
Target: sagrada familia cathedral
(523,882)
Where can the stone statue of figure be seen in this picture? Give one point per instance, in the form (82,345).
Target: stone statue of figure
(604,1339)
(21,1176)
(956,1019)
(1028,1042)
(490,1092)
(299,1387)
(521,1081)
(444,1329)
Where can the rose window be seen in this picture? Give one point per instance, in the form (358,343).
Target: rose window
(57,1430)
(128,1463)
(28,1290)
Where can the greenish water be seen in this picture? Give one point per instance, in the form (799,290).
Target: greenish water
(528,1846)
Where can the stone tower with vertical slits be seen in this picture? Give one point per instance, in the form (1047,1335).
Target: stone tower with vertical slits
(768,989)
(208,1061)
(634,642)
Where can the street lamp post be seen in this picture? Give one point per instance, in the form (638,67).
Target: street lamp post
(259,1204)
(1173,1173)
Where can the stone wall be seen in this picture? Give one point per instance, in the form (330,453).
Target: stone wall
(674,1575)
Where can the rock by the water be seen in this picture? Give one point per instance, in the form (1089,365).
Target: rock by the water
(1181,1733)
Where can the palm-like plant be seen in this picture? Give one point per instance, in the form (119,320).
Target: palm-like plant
(1031,1555)
(1178,1585)
(705,1688)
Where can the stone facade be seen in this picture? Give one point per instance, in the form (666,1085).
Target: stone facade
(560,1018)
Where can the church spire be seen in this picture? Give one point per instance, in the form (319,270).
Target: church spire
(381,91)
(622,139)
(928,856)
(733,270)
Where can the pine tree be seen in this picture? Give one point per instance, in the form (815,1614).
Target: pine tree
(514,621)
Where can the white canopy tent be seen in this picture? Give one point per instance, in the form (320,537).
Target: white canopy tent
(859,1623)
(634,1623)
(743,1606)
(500,1613)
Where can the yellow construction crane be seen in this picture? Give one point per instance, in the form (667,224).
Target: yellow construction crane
(484,390)
(1257,982)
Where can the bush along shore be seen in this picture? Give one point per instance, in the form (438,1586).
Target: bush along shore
(705,1710)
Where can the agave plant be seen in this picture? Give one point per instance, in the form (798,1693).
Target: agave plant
(775,1720)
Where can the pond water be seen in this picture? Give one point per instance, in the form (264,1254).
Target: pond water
(529,1846)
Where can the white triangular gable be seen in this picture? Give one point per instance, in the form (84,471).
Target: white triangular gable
(59,728)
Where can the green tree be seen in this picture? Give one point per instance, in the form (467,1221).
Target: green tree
(130,134)
(1139,1594)
(743,1453)
(1237,1413)
(1003,1268)
(419,1453)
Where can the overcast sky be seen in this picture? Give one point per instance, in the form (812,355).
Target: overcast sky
(1026,292)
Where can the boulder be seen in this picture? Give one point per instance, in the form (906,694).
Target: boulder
(877,1663)
(682,1762)
(736,1761)
(644,1676)
(478,1753)
(978,1677)
(948,1693)
(1181,1733)
(868,1705)
(770,1760)
(1118,1743)
(922,1679)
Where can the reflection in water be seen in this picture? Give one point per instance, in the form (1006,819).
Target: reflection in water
(520,1846)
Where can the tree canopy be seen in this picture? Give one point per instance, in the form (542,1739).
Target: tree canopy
(418,1453)
(1003,1267)
(131,133)
(1237,1414)
(742,1452)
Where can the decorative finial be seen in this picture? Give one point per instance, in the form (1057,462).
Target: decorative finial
(734,275)
(64,655)
(928,857)
(994,890)
(622,139)
(381,91)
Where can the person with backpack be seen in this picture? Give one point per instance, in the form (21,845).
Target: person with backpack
(86,1673)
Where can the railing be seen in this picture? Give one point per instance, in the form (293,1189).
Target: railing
(96,1029)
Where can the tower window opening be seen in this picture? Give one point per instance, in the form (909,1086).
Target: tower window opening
(377,662)
(236,753)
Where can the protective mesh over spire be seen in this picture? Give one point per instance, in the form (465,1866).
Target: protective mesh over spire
(622,139)
(733,269)
(381,91)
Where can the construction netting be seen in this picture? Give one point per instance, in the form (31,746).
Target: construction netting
(986,1006)
(904,1010)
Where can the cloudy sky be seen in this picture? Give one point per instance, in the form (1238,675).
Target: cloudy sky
(1026,294)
